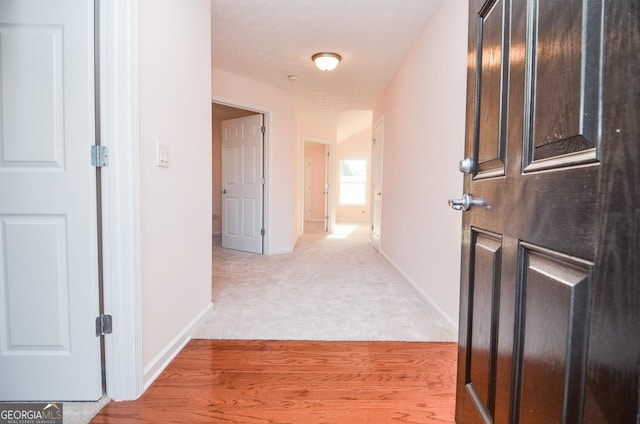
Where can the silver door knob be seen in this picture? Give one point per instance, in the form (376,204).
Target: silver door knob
(466,165)
(466,202)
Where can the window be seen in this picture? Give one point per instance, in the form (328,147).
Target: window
(353,182)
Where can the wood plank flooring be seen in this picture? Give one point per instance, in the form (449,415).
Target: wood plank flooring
(219,381)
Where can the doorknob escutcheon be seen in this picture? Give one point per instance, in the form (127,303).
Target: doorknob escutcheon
(466,165)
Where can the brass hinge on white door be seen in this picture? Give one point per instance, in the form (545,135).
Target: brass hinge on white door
(99,156)
(104,325)
(263,129)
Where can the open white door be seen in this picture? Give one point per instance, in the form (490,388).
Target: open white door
(376,185)
(48,237)
(331,191)
(242,183)
(307,188)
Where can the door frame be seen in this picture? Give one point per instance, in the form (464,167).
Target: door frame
(267,160)
(121,231)
(330,181)
(307,170)
(379,170)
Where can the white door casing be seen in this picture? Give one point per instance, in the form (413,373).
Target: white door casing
(48,227)
(330,192)
(308,192)
(243,183)
(376,184)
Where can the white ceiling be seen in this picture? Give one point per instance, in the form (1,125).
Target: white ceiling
(268,40)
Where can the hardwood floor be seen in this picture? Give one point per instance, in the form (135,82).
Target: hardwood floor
(219,381)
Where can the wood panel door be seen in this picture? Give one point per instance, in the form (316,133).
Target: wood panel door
(550,276)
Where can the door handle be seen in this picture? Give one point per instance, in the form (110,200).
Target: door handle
(466,202)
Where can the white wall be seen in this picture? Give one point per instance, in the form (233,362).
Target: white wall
(424,120)
(283,173)
(174,109)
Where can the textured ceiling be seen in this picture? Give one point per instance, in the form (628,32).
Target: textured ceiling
(268,40)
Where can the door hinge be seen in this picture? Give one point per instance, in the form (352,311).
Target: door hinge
(263,129)
(262,232)
(263,180)
(104,325)
(99,156)
(372,227)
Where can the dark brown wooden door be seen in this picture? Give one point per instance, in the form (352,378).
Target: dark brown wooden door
(550,286)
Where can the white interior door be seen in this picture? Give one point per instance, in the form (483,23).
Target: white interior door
(307,188)
(48,238)
(376,185)
(330,192)
(242,183)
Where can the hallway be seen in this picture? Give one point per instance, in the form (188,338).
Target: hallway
(332,287)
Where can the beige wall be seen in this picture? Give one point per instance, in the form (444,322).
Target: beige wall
(175,203)
(424,119)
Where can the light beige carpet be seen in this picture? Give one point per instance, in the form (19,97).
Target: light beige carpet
(82,412)
(332,287)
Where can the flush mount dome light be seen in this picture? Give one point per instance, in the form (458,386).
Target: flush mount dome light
(326,61)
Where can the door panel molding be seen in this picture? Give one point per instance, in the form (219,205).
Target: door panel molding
(492,47)
(555,295)
(563,115)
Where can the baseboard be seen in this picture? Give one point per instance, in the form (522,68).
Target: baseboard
(452,324)
(281,251)
(164,358)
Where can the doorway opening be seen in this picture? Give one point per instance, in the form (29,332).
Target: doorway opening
(318,195)
(231,197)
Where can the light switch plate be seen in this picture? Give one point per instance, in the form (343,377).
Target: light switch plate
(162,155)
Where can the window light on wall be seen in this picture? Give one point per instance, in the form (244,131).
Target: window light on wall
(353,182)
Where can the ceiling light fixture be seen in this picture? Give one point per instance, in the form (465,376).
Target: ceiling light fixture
(326,61)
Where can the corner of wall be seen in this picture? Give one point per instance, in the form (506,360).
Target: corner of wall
(166,355)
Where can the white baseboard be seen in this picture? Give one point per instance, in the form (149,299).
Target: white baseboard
(452,324)
(281,251)
(164,358)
